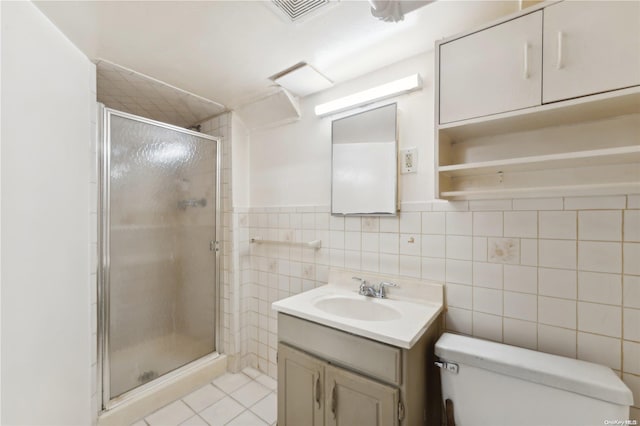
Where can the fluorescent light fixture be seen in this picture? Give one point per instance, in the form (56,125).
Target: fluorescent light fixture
(378,93)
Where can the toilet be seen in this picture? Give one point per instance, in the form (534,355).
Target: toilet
(490,384)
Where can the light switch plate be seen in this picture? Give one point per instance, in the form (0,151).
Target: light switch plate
(409,160)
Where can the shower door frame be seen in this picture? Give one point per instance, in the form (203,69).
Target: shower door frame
(103,285)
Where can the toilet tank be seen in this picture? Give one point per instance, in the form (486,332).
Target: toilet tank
(491,384)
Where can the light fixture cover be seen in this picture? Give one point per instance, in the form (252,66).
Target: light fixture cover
(378,93)
(275,108)
(303,81)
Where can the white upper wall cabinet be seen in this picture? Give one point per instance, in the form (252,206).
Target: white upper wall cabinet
(590,47)
(494,70)
(515,117)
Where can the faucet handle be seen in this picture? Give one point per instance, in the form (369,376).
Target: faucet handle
(384,284)
(362,280)
(364,289)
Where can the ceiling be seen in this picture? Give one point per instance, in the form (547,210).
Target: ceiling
(225,51)
(129,91)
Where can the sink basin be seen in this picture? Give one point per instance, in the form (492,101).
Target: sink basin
(357,308)
(398,320)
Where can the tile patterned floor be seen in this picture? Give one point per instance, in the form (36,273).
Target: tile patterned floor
(243,399)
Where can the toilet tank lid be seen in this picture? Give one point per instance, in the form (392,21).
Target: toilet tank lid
(585,378)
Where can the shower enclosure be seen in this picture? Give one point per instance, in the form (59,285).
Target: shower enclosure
(158,278)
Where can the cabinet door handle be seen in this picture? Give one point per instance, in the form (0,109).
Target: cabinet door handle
(318,390)
(559,61)
(526,61)
(334,400)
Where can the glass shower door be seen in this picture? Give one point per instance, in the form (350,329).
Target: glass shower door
(159,250)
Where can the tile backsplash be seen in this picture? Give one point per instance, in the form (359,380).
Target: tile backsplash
(559,275)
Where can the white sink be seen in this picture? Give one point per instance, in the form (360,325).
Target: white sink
(357,308)
(399,320)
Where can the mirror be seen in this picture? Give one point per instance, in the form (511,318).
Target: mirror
(364,163)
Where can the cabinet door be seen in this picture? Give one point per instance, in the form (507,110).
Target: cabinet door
(300,388)
(590,47)
(353,400)
(495,70)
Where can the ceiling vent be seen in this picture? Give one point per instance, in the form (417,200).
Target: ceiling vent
(296,10)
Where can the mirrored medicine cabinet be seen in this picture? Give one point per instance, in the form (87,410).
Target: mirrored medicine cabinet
(364,176)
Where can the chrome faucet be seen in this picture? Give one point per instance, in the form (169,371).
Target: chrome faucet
(370,291)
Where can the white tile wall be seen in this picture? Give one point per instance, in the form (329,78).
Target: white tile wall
(556,340)
(557,312)
(521,224)
(557,283)
(600,256)
(236,264)
(600,319)
(538,204)
(487,224)
(631,291)
(487,300)
(630,324)
(487,326)
(600,288)
(459,223)
(631,255)
(631,357)
(520,333)
(487,275)
(557,253)
(537,276)
(590,348)
(459,247)
(632,225)
(595,203)
(520,306)
(521,278)
(557,225)
(604,225)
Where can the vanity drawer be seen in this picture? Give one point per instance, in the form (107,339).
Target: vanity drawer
(372,358)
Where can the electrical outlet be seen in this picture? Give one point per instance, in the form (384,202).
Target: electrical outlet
(409,160)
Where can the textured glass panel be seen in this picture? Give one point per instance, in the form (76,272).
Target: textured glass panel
(162,272)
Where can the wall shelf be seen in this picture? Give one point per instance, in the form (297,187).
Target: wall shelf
(517,153)
(619,155)
(543,191)
(587,108)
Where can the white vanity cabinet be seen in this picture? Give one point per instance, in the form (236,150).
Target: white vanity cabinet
(330,377)
(590,47)
(493,70)
(582,137)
